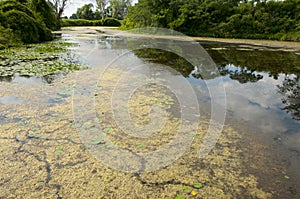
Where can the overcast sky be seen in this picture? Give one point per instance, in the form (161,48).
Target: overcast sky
(74,4)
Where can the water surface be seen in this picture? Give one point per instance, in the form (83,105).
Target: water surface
(257,155)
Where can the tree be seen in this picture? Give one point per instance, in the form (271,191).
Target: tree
(119,8)
(74,16)
(101,5)
(58,6)
(86,12)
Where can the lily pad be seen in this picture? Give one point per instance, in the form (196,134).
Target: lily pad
(179,196)
(97,141)
(186,190)
(198,185)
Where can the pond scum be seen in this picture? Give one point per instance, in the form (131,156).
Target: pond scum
(42,155)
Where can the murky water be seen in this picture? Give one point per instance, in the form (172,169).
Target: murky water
(44,154)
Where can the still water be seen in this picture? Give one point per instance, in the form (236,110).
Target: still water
(262,89)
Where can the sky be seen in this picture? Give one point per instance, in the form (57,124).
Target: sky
(74,4)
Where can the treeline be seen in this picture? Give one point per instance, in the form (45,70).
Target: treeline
(85,22)
(26,21)
(255,19)
(116,9)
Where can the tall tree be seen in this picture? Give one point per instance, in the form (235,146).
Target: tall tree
(86,12)
(58,6)
(119,8)
(101,5)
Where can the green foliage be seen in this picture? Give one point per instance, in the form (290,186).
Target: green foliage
(7,37)
(14,5)
(237,19)
(44,11)
(86,12)
(26,22)
(24,26)
(79,22)
(111,22)
(84,22)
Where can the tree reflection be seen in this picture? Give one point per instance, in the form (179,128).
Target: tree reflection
(290,89)
(245,67)
(241,74)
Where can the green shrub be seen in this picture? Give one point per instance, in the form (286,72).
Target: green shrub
(45,12)
(111,22)
(9,5)
(97,23)
(85,22)
(7,37)
(24,26)
(2,19)
(76,22)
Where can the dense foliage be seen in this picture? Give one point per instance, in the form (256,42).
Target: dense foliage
(26,21)
(84,22)
(104,9)
(220,18)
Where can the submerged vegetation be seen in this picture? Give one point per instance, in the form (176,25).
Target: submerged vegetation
(228,18)
(26,21)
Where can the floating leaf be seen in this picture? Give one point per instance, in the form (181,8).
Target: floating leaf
(59,150)
(140,144)
(107,130)
(286,177)
(39,184)
(38,135)
(198,185)
(186,190)
(36,129)
(179,196)
(97,141)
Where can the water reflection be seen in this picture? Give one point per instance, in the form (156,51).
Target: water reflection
(48,79)
(244,66)
(290,89)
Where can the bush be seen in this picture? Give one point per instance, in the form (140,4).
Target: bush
(7,37)
(45,12)
(111,22)
(9,5)
(97,23)
(26,25)
(76,22)
(84,22)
